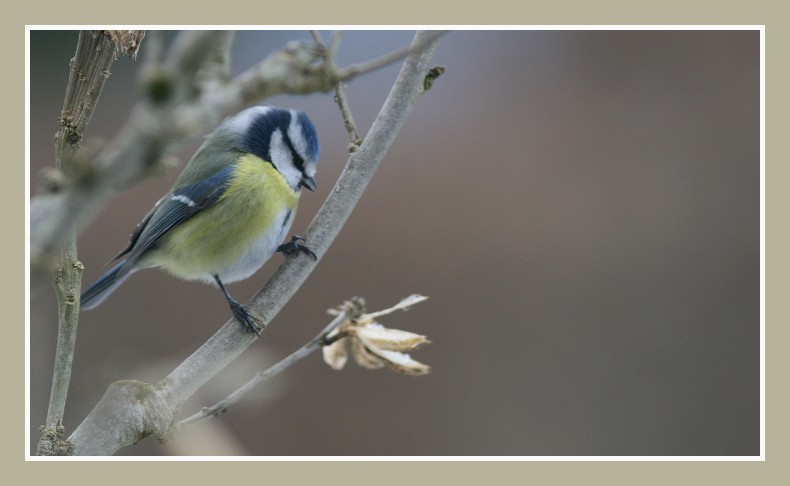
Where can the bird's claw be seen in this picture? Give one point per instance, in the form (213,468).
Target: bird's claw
(246,318)
(296,245)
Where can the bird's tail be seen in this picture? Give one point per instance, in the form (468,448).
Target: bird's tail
(102,288)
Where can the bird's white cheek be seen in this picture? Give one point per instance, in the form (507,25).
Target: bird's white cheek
(282,159)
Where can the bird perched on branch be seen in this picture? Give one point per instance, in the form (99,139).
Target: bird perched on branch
(230,208)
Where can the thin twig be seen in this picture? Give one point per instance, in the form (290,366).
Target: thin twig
(301,353)
(334,41)
(340,92)
(354,70)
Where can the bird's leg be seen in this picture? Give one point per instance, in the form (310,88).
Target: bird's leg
(296,245)
(239,311)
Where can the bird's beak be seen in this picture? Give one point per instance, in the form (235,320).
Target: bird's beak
(309,183)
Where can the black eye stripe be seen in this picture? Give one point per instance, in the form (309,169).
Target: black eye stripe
(297,159)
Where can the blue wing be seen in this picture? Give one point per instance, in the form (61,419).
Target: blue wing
(175,208)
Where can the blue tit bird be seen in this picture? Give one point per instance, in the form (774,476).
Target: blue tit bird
(230,208)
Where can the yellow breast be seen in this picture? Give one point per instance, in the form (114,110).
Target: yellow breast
(243,227)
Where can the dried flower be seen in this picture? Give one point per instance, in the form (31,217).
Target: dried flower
(335,354)
(374,346)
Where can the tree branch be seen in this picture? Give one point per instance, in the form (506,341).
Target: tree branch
(298,355)
(90,68)
(99,436)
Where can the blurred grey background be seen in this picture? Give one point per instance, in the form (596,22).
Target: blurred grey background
(582,207)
